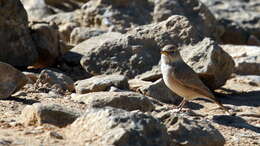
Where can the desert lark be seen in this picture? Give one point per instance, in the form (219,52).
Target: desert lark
(181,79)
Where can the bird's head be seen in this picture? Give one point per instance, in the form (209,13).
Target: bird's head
(170,53)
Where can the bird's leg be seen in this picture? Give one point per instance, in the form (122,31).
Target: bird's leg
(171,107)
(180,106)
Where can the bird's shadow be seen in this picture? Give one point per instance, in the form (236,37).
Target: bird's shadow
(234,121)
(22,100)
(193,105)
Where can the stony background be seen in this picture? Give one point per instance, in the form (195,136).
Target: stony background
(87,72)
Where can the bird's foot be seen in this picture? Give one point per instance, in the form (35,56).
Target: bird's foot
(170,107)
(178,110)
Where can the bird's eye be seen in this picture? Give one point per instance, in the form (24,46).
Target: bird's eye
(172,51)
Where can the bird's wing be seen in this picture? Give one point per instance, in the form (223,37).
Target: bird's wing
(190,80)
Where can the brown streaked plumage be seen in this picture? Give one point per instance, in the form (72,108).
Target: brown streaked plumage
(181,79)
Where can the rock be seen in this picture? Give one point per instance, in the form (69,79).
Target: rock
(71,60)
(208,59)
(253,80)
(247,60)
(31,77)
(176,29)
(80,34)
(38,114)
(249,113)
(65,31)
(40,9)
(101,83)
(159,91)
(68,64)
(76,53)
(124,100)
(52,79)
(66,23)
(115,89)
(46,38)
(16,45)
(253,41)
(36,9)
(65,5)
(5,142)
(189,130)
(194,10)
(240,19)
(136,84)
(54,134)
(94,42)
(52,93)
(119,15)
(138,51)
(109,126)
(11,80)
(151,75)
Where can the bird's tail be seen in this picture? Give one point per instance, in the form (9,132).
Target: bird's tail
(214,99)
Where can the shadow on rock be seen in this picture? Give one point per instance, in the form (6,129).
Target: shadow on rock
(240,98)
(234,121)
(22,100)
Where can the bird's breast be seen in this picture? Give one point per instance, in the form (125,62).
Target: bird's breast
(172,83)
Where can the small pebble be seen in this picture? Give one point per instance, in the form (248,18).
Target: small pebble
(54,134)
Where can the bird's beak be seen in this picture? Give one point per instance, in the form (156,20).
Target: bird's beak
(164,52)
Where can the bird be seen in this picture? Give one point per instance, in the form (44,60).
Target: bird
(182,79)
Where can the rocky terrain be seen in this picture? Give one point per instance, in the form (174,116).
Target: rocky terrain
(87,72)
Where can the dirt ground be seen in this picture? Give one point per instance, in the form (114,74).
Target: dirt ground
(240,130)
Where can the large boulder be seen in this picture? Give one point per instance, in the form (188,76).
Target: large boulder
(247,58)
(16,45)
(86,46)
(109,126)
(209,60)
(11,80)
(75,54)
(189,130)
(124,100)
(194,10)
(139,51)
(71,60)
(240,18)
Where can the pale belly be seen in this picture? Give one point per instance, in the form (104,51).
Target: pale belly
(178,88)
